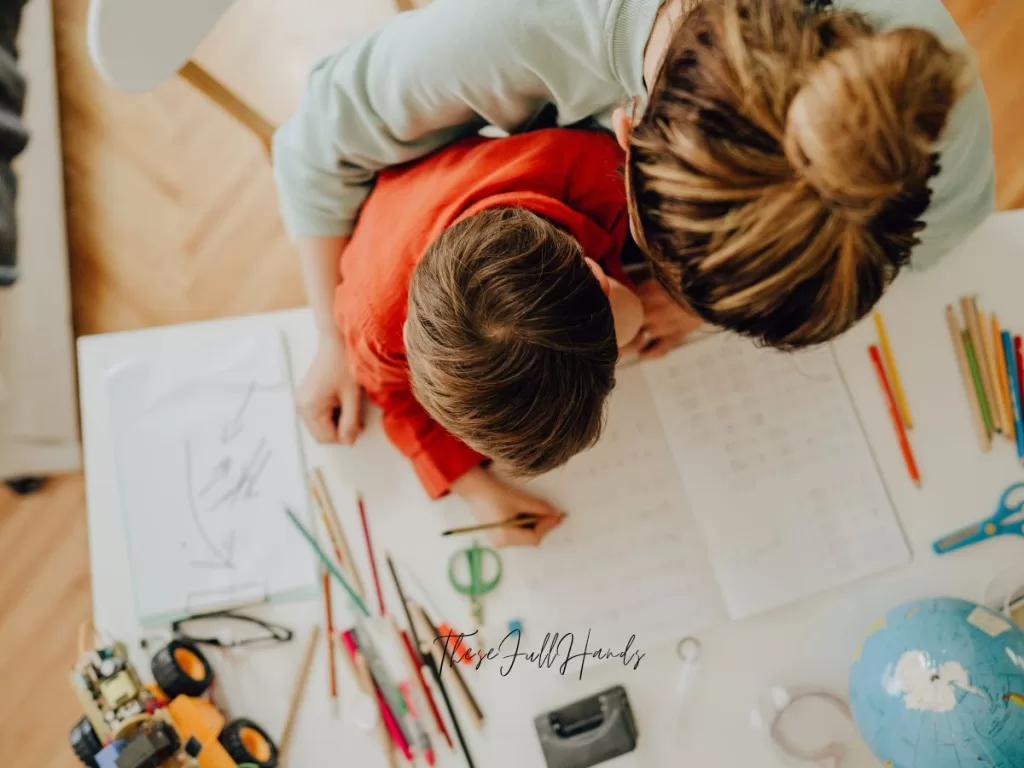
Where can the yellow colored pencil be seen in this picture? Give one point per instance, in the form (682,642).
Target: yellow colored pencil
(1004,380)
(894,377)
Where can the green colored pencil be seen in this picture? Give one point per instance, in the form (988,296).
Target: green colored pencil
(979,387)
(328,563)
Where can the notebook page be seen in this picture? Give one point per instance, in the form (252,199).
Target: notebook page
(207,452)
(628,559)
(777,469)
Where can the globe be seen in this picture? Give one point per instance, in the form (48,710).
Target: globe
(939,683)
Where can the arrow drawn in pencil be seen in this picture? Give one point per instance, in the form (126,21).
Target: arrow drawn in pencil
(221,559)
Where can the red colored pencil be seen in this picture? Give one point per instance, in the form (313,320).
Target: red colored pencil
(369,548)
(894,414)
(394,730)
(417,663)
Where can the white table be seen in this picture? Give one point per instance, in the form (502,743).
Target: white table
(809,643)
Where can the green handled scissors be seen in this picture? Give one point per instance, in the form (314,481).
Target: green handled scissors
(475,571)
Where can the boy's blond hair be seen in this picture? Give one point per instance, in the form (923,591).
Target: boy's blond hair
(510,340)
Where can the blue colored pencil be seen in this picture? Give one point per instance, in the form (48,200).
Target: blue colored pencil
(328,563)
(1014,381)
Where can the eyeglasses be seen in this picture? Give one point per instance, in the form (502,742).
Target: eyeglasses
(227,629)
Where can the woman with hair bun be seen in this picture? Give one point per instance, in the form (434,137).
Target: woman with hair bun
(785,158)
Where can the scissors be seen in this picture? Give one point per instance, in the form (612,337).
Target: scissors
(1008,519)
(475,571)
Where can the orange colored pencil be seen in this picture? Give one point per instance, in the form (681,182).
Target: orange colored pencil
(329,619)
(1004,381)
(894,414)
(373,559)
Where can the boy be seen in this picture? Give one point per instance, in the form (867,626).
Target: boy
(482,305)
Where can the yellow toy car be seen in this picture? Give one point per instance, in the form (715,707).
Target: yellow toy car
(168,724)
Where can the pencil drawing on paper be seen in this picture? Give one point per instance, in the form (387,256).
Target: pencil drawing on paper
(226,483)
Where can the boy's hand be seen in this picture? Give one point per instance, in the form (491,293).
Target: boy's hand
(328,387)
(491,500)
(665,322)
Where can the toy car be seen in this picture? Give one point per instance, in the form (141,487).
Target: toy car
(169,724)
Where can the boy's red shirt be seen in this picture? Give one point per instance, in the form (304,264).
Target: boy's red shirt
(570,177)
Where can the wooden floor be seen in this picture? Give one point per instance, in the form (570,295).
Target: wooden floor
(172,217)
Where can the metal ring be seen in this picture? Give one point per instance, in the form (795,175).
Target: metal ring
(688,649)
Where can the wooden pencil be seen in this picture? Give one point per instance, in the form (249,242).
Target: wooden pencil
(976,350)
(894,414)
(369,550)
(956,337)
(361,672)
(301,681)
(460,683)
(332,671)
(522,520)
(322,497)
(894,377)
(979,386)
(989,361)
(1009,429)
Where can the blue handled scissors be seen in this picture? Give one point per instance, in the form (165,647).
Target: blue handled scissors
(481,575)
(1008,519)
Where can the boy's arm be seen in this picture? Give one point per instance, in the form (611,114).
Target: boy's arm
(420,81)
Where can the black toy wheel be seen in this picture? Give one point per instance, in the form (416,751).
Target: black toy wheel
(23,486)
(246,742)
(84,742)
(180,669)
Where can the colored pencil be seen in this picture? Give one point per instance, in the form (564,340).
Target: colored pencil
(332,671)
(956,337)
(894,377)
(361,672)
(474,707)
(897,423)
(1009,423)
(989,361)
(327,562)
(1015,391)
(322,498)
(394,731)
(373,560)
(1019,358)
(301,680)
(979,386)
(522,520)
(977,351)
(426,652)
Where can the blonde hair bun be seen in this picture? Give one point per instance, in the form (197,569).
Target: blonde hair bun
(864,123)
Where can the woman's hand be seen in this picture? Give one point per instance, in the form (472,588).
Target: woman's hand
(329,399)
(665,322)
(490,500)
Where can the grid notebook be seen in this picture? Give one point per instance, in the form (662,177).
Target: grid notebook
(729,480)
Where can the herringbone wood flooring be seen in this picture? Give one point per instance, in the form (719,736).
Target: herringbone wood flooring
(172,217)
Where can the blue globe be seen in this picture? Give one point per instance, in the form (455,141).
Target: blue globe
(940,684)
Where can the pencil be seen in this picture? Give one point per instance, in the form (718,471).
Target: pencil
(470,699)
(369,549)
(1015,392)
(975,358)
(522,520)
(322,497)
(300,688)
(434,670)
(327,562)
(988,361)
(1019,359)
(897,423)
(332,672)
(390,721)
(979,386)
(1009,422)
(894,377)
(956,336)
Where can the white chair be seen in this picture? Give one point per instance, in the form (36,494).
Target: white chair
(138,44)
